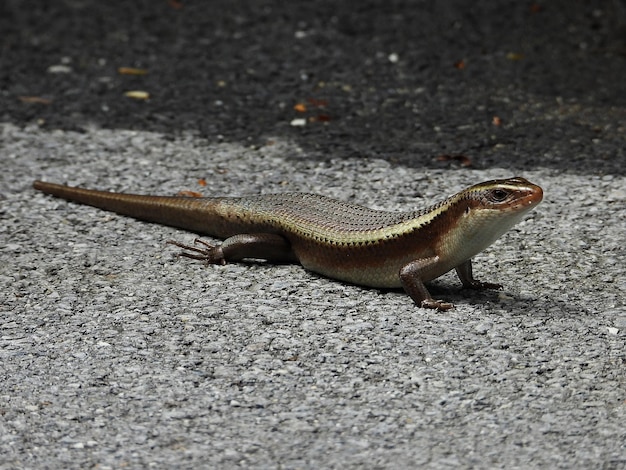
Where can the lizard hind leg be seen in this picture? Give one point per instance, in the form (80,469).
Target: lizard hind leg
(266,246)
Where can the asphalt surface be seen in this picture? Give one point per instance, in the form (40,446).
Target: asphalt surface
(117,354)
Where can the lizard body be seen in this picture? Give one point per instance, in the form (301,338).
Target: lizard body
(338,239)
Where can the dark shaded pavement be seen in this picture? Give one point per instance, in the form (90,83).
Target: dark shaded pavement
(400,80)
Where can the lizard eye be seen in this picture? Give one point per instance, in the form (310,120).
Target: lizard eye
(499,195)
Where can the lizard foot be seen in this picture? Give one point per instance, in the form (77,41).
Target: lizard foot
(211,254)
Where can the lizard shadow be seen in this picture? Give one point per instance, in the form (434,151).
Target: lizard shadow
(459,295)
(539,307)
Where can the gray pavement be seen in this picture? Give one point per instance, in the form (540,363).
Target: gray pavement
(116,354)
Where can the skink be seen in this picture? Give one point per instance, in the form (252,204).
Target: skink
(337,239)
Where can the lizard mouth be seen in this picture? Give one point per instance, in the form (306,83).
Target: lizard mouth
(531,196)
(535,196)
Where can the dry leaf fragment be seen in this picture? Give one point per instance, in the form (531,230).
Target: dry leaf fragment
(34,99)
(131,71)
(462,159)
(514,56)
(300,107)
(459,64)
(317,103)
(137,95)
(320,118)
(202,182)
(496,121)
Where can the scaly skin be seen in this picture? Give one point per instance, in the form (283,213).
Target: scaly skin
(340,240)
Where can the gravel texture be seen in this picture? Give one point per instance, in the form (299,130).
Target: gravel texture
(117,354)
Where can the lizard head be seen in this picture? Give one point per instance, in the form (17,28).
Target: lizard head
(487,210)
(505,196)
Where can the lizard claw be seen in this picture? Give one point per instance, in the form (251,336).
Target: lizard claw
(211,254)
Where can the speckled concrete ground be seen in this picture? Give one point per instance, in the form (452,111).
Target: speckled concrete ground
(117,354)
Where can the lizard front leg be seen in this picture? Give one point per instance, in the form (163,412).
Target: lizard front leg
(464,271)
(411,279)
(267,246)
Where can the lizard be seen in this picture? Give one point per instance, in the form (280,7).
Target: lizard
(337,239)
